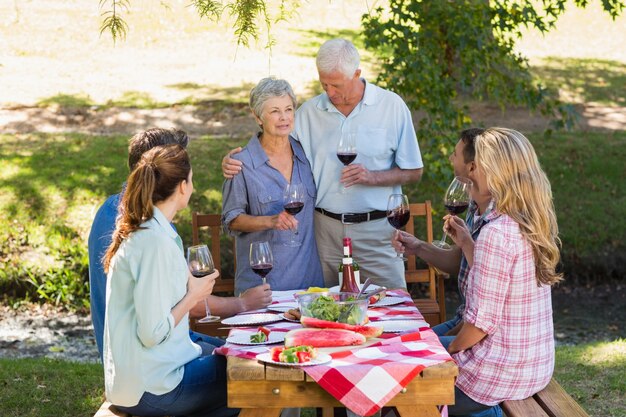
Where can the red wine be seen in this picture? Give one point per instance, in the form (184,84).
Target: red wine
(398,218)
(294,208)
(346,158)
(262,269)
(201,273)
(456,208)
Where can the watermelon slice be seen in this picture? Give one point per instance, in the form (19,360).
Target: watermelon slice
(323,337)
(367,331)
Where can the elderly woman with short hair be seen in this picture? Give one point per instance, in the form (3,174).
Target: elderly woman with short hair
(252,207)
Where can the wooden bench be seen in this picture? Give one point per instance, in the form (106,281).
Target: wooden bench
(552,401)
(108,410)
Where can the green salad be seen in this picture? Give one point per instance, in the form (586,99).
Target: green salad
(324,307)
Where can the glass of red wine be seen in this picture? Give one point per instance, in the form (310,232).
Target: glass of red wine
(398,212)
(293,203)
(456,201)
(200,265)
(346,151)
(261,259)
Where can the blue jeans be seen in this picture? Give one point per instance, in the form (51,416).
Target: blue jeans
(201,393)
(464,406)
(444,328)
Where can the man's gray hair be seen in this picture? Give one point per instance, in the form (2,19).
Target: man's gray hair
(338,55)
(266,89)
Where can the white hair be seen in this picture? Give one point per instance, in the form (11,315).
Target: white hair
(268,88)
(338,55)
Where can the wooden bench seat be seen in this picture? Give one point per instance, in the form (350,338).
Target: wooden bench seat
(552,401)
(108,410)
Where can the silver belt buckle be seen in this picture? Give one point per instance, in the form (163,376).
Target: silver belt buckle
(343,218)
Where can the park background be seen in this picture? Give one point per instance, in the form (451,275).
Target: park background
(70,99)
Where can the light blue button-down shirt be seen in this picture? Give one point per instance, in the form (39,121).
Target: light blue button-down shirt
(143,350)
(258,191)
(385,139)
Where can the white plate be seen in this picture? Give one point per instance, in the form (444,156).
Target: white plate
(399,326)
(282,316)
(321,359)
(371,287)
(282,307)
(246,319)
(388,301)
(244,338)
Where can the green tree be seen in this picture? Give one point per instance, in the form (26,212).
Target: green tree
(438,54)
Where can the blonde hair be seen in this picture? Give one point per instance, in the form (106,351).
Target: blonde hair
(522,191)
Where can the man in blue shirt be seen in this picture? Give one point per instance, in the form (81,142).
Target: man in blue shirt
(102,230)
(452,261)
(387,157)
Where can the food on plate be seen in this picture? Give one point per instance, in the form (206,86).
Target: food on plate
(323,337)
(334,307)
(377,297)
(316,289)
(367,331)
(295,354)
(260,336)
(292,314)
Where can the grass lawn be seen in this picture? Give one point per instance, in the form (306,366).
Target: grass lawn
(592,373)
(51,185)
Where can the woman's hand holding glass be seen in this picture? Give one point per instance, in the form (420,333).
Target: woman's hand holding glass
(201,267)
(456,228)
(456,201)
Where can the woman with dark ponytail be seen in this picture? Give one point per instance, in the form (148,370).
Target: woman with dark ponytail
(152,367)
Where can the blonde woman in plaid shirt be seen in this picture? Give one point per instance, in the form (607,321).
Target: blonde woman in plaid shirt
(505,348)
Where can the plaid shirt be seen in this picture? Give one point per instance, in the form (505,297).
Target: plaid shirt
(516,358)
(474,228)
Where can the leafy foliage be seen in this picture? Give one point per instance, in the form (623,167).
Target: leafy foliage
(435,54)
(248,16)
(112,20)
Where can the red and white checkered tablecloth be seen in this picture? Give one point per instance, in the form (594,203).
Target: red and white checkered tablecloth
(364,379)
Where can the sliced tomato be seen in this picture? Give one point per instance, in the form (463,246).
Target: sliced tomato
(303,356)
(276,351)
(264,330)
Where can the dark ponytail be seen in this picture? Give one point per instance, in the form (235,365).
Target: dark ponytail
(153,180)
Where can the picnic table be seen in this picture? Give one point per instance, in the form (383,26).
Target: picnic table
(409,370)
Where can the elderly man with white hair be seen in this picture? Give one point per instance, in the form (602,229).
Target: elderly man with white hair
(388,156)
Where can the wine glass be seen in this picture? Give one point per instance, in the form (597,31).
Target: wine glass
(200,265)
(456,201)
(346,151)
(398,212)
(261,259)
(293,203)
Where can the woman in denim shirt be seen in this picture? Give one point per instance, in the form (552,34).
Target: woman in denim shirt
(252,208)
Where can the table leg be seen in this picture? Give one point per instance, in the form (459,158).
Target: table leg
(418,411)
(328,412)
(260,412)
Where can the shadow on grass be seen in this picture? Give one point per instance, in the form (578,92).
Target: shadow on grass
(310,40)
(49,167)
(585,80)
(199,94)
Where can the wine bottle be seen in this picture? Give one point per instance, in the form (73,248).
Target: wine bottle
(348,283)
(347,253)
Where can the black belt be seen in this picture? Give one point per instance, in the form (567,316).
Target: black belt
(349,218)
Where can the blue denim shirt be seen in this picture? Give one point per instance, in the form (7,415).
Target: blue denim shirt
(99,240)
(258,191)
